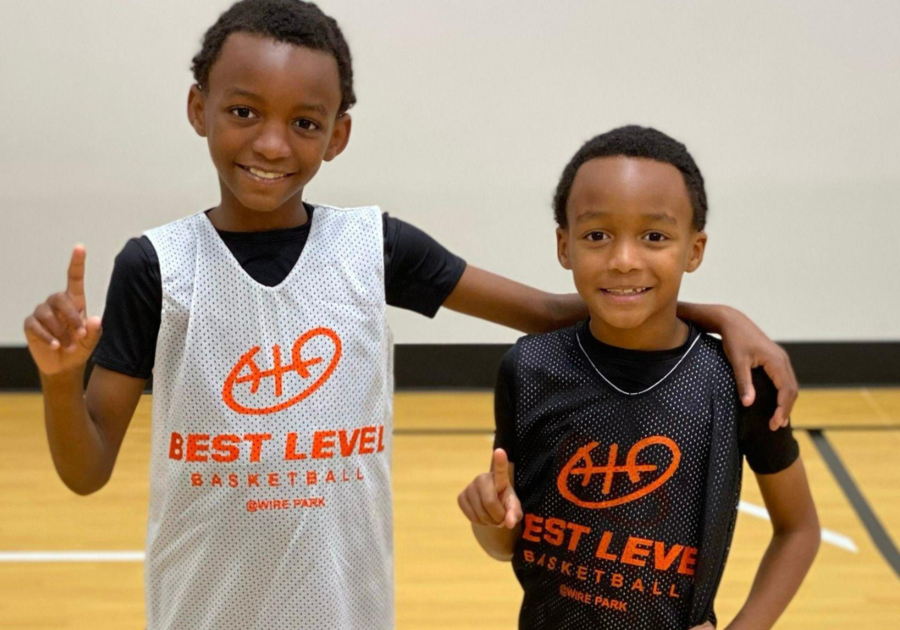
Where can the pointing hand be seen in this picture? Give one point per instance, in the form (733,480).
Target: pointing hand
(60,335)
(490,498)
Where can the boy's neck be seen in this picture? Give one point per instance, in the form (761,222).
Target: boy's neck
(231,216)
(665,334)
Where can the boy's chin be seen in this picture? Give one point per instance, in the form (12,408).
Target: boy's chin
(260,202)
(262,205)
(619,319)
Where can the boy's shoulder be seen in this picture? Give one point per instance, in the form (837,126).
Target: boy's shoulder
(350,210)
(766,399)
(561,338)
(367,218)
(540,349)
(712,345)
(179,236)
(183,226)
(710,351)
(709,346)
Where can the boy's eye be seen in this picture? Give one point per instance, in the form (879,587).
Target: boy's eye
(308,125)
(242,112)
(596,236)
(656,237)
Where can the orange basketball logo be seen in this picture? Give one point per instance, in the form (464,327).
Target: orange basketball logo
(298,364)
(611,469)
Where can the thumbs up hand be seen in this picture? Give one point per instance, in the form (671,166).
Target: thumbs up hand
(490,499)
(60,335)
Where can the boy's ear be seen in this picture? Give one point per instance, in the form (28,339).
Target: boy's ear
(697,249)
(340,136)
(562,247)
(196,107)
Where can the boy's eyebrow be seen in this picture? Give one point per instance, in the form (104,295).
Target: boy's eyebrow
(651,216)
(661,216)
(315,107)
(236,91)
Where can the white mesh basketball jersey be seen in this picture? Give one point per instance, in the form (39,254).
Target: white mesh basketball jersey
(270,504)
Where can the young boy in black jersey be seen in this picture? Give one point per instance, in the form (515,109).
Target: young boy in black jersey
(263,322)
(617,469)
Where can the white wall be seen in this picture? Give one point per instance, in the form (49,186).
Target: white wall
(467,113)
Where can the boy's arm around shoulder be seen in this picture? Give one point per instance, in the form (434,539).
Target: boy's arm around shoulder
(748,347)
(497,299)
(795,542)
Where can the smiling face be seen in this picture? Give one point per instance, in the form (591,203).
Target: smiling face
(628,241)
(271,116)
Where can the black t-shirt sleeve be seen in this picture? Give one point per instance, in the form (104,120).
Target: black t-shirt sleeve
(419,272)
(133,312)
(505,405)
(767,451)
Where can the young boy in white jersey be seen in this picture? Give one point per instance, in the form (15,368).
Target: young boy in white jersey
(263,320)
(617,464)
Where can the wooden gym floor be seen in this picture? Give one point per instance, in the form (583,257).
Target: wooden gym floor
(850,441)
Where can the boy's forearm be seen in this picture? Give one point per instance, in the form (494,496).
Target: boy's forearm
(76,443)
(486,295)
(784,565)
(711,317)
(568,309)
(498,542)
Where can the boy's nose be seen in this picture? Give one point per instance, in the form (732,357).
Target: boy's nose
(625,257)
(272,142)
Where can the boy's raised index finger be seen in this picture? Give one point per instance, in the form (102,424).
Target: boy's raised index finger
(501,465)
(75,283)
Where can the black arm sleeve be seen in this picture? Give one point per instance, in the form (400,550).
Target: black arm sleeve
(505,405)
(133,312)
(766,451)
(419,272)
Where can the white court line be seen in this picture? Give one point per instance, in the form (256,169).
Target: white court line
(71,556)
(828,536)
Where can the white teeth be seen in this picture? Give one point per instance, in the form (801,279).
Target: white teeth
(626,291)
(265,174)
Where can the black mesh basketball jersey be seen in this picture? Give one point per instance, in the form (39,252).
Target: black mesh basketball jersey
(629,500)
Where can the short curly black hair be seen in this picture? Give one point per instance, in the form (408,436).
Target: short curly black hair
(638,142)
(290,21)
